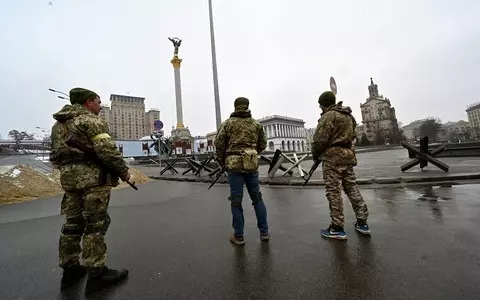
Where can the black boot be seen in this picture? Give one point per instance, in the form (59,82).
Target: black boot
(100,278)
(72,275)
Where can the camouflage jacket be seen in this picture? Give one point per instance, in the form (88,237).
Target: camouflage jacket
(77,171)
(236,136)
(334,136)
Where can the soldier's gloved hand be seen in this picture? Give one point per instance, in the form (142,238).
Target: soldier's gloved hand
(115,181)
(126,177)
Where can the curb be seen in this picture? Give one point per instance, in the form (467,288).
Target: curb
(279,181)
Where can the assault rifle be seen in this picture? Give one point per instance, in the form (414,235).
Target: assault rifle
(316,163)
(222,170)
(89,152)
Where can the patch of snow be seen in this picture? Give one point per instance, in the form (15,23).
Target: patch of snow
(5,169)
(44,159)
(15,173)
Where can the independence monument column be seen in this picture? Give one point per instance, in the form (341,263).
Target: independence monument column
(181,137)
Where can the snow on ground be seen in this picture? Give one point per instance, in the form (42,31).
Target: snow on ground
(5,169)
(15,173)
(44,159)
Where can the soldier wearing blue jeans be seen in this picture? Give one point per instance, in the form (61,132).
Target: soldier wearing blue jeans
(236,182)
(239,140)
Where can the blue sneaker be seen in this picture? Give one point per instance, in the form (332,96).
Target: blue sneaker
(363,228)
(334,233)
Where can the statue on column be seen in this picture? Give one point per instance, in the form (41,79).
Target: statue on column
(176,43)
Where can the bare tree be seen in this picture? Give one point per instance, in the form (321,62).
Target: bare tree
(430,128)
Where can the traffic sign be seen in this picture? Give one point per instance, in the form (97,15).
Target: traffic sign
(158,125)
(333,86)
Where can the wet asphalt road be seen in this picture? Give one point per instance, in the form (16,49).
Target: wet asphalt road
(172,236)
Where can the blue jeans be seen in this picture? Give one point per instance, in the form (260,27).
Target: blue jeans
(236,181)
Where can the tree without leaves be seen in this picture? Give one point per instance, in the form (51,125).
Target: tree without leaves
(18,136)
(430,128)
(379,137)
(395,135)
(364,141)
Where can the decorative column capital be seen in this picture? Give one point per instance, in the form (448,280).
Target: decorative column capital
(176,62)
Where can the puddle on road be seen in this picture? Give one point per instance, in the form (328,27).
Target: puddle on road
(429,193)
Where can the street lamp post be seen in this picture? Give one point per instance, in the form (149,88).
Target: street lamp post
(214,67)
(55,91)
(44,130)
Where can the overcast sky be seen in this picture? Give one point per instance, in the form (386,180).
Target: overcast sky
(423,54)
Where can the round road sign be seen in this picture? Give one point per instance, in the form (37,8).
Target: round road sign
(158,125)
(333,86)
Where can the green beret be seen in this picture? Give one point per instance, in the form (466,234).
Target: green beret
(241,103)
(327,99)
(80,95)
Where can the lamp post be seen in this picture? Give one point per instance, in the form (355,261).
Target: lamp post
(55,91)
(61,97)
(44,130)
(214,67)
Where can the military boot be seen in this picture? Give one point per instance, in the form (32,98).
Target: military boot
(71,275)
(100,278)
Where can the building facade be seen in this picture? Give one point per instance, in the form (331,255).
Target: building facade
(199,144)
(127,119)
(449,132)
(473,113)
(359,131)
(460,131)
(309,132)
(412,130)
(378,115)
(150,117)
(211,141)
(284,133)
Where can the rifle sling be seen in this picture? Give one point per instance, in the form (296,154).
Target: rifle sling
(342,145)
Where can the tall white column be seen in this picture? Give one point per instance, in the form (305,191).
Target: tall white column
(178,90)
(178,97)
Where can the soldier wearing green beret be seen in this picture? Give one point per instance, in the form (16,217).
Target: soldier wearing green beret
(87,190)
(333,144)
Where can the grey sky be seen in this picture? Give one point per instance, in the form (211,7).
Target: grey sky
(424,55)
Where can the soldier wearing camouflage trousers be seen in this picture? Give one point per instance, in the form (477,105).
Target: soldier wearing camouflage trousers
(333,144)
(87,191)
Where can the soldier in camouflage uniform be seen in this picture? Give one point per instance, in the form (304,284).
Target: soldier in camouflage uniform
(86,198)
(239,139)
(333,144)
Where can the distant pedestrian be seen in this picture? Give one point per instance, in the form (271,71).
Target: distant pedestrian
(333,144)
(238,142)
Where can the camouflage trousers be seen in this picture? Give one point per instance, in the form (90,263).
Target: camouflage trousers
(336,177)
(86,216)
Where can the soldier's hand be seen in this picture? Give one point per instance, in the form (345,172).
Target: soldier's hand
(126,177)
(115,182)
